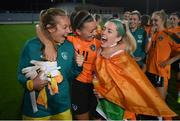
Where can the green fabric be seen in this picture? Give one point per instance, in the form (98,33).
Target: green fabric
(109,110)
(141,40)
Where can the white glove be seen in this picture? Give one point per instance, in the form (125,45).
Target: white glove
(30,72)
(47,67)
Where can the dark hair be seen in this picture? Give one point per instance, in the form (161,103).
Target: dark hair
(145,19)
(73,13)
(135,12)
(80,18)
(47,17)
(176,14)
(97,17)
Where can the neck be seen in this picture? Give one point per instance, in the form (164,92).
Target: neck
(161,28)
(133,29)
(110,47)
(108,52)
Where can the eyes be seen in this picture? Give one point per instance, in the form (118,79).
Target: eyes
(93,30)
(172,18)
(133,19)
(108,30)
(66,27)
(155,20)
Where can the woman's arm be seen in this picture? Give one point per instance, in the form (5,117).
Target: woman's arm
(50,52)
(170,61)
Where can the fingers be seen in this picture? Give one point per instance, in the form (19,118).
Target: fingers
(41,84)
(37,63)
(31,75)
(79,59)
(38,82)
(29,69)
(98,95)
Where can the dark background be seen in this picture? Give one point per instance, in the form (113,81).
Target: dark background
(144,6)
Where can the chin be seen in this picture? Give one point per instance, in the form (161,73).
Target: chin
(61,40)
(103,45)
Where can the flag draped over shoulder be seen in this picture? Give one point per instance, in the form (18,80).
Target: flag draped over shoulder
(122,82)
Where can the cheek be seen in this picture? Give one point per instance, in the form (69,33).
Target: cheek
(111,40)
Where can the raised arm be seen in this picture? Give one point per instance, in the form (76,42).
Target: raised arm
(50,52)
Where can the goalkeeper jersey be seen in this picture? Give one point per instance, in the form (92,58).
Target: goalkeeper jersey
(59,102)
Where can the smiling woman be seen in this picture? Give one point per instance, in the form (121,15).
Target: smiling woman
(120,80)
(53,100)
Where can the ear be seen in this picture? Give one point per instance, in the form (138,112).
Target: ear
(118,38)
(51,30)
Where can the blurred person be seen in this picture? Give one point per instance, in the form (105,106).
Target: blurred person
(140,36)
(174,18)
(52,96)
(161,48)
(126,15)
(146,23)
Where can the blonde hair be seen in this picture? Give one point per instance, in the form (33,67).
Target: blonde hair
(48,17)
(163,16)
(130,42)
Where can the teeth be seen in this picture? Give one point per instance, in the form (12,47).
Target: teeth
(103,37)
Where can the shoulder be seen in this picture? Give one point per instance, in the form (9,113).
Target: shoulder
(72,38)
(33,43)
(68,44)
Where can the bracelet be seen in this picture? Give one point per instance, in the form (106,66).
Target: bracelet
(29,85)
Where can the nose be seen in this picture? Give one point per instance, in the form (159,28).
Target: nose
(68,30)
(94,32)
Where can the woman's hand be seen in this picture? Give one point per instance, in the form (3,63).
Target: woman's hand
(38,83)
(98,95)
(164,64)
(126,24)
(79,59)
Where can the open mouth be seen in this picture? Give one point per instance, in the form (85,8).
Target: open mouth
(91,37)
(103,39)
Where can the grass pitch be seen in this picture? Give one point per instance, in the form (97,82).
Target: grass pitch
(12,39)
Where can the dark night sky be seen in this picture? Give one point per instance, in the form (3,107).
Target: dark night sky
(27,5)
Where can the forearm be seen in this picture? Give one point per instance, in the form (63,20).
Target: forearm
(173,59)
(42,37)
(148,45)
